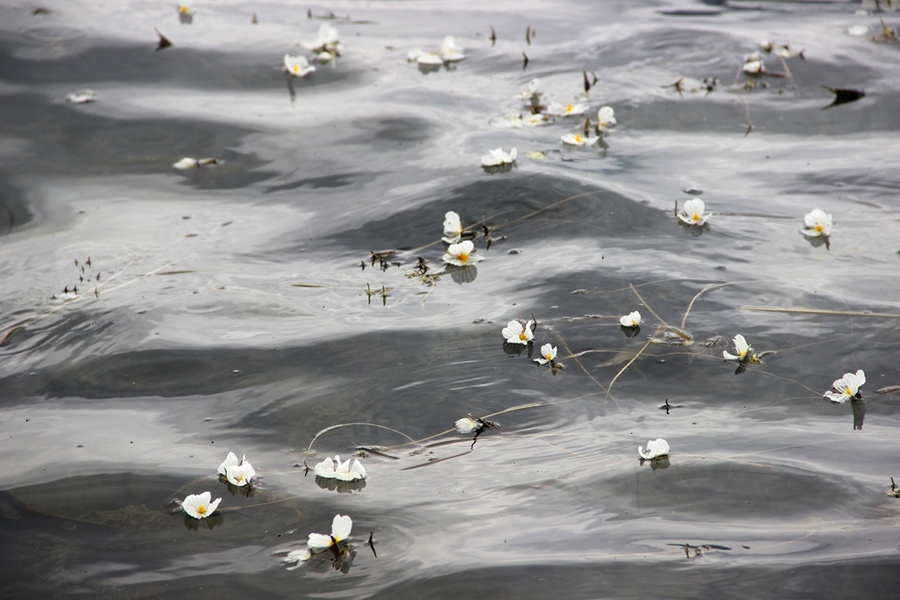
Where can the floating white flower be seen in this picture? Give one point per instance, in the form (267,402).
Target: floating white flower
(570,110)
(576,139)
(340,531)
(450,50)
(184,7)
(344,471)
(240,475)
(190,163)
(326,41)
(497,157)
(818,223)
(692,212)
(847,387)
(753,67)
(82,97)
(532,91)
(297,66)
(632,319)
(742,348)
(548,354)
(231,460)
(452,227)
(606,117)
(462,254)
(424,58)
(467,425)
(516,333)
(655,449)
(199,506)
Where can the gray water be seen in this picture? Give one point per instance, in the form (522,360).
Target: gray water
(232,311)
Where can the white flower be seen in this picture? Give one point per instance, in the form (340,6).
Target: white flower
(858,30)
(344,471)
(515,333)
(766,45)
(184,7)
(189,163)
(742,348)
(655,449)
(548,354)
(452,227)
(818,223)
(575,139)
(82,96)
(692,212)
(241,474)
(753,57)
(199,505)
(534,119)
(297,66)
(532,90)
(450,50)
(326,41)
(424,58)
(570,110)
(462,254)
(497,157)
(606,117)
(340,531)
(632,319)
(231,460)
(847,386)
(467,425)
(753,67)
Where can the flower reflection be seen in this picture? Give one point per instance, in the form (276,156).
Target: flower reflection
(461,275)
(859,413)
(339,486)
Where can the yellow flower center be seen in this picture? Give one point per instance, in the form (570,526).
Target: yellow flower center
(848,391)
(295,69)
(578,138)
(183,9)
(696,216)
(522,336)
(462,257)
(819,227)
(201,510)
(239,478)
(548,356)
(569,108)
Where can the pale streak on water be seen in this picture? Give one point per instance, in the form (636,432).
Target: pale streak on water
(201,341)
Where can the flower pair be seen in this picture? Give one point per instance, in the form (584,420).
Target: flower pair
(237,472)
(460,253)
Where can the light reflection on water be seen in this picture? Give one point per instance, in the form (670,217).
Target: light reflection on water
(233,313)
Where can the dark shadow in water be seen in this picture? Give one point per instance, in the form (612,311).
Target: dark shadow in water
(664,578)
(176,67)
(501,200)
(335,180)
(88,144)
(13,209)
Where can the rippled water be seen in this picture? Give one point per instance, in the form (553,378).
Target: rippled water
(227,308)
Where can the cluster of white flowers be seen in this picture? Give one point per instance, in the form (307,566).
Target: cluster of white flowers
(450,52)
(326,48)
(342,471)
(460,252)
(237,472)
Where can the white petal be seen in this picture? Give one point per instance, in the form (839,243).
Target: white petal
(340,527)
(318,541)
